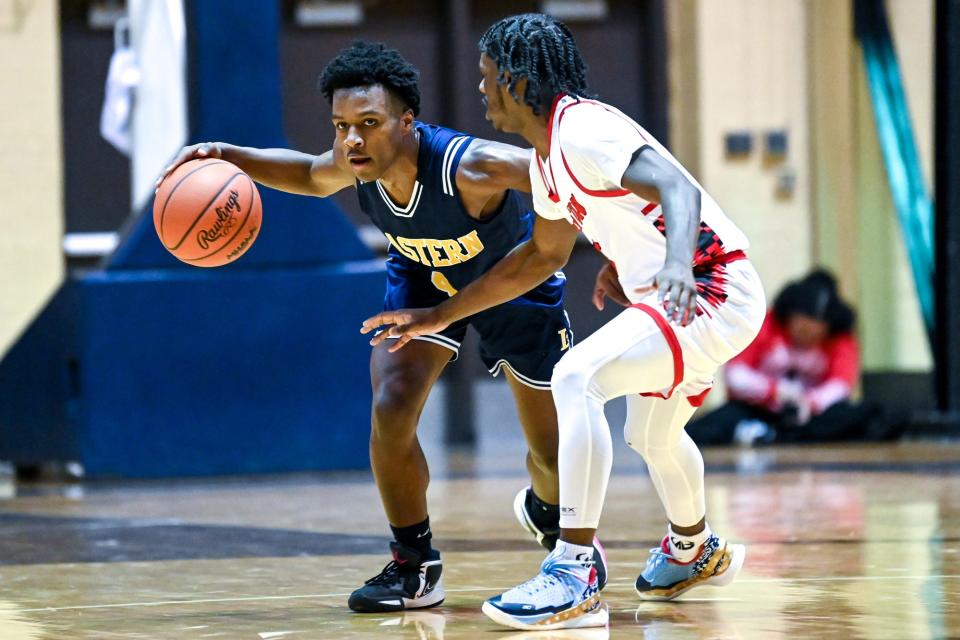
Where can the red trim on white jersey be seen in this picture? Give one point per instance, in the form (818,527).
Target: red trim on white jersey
(551,185)
(672,342)
(611,193)
(553,111)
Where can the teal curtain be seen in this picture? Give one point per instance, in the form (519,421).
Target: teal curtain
(895,131)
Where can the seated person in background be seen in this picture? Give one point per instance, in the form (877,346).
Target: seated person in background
(794,382)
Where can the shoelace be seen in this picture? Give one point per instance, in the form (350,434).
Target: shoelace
(548,578)
(388,575)
(538,583)
(657,557)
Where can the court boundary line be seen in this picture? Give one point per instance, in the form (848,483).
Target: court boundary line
(464,590)
(215,600)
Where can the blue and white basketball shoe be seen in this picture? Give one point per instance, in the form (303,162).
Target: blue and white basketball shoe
(665,577)
(564,595)
(547,538)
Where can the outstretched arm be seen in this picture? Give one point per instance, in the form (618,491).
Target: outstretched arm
(283,169)
(519,271)
(654,178)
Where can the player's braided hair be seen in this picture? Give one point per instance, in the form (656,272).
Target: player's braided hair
(364,63)
(541,49)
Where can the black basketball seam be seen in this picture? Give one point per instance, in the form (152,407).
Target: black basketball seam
(243,224)
(177,186)
(205,209)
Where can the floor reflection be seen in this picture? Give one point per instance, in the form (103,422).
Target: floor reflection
(428,625)
(15,625)
(861,543)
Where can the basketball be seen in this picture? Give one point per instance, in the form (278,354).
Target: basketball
(207,212)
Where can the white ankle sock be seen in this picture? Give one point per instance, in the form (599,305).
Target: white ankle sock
(686,548)
(570,551)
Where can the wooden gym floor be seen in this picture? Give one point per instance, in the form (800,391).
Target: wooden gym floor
(843,542)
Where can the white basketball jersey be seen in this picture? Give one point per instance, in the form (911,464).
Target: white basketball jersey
(590,146)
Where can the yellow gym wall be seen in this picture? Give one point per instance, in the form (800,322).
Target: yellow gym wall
(748,76)
(756,65)
(31,260)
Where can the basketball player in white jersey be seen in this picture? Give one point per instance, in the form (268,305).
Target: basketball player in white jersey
(693,302)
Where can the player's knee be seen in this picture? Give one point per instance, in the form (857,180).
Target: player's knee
(569,380)
(396,409)
(637,438)
(652,441)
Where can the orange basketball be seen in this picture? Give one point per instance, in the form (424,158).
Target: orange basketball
(207,212)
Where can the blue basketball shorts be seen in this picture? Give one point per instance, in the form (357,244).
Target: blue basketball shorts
(523,337)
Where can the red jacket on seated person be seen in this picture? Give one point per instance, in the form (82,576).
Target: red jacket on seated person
(795,381)
(775,371)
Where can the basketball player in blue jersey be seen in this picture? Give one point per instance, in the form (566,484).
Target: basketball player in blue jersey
(447,205)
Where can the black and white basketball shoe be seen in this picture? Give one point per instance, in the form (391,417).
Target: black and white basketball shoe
(409,581)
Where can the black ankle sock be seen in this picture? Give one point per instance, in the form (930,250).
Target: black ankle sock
(416,535)
(545,515)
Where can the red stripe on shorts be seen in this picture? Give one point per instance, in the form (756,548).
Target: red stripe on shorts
(673,343)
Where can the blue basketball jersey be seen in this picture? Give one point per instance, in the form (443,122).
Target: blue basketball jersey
(433,238)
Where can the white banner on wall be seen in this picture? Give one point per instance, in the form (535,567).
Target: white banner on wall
(159,125)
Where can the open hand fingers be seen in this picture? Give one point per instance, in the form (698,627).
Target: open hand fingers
(375,322)
(598,293)
(380,337)
(400,342)
(613,290)
(681,304)
(397,334)
(618,296)
(690,311)
(664,296)
(669,294)
(680,308)
(598,296)
(205,150)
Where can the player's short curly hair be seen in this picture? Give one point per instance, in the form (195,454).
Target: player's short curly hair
(541,49)
(365,63)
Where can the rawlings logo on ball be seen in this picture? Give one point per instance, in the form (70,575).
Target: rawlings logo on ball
(225,220)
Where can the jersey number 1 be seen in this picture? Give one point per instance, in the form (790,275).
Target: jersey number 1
(440,282)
